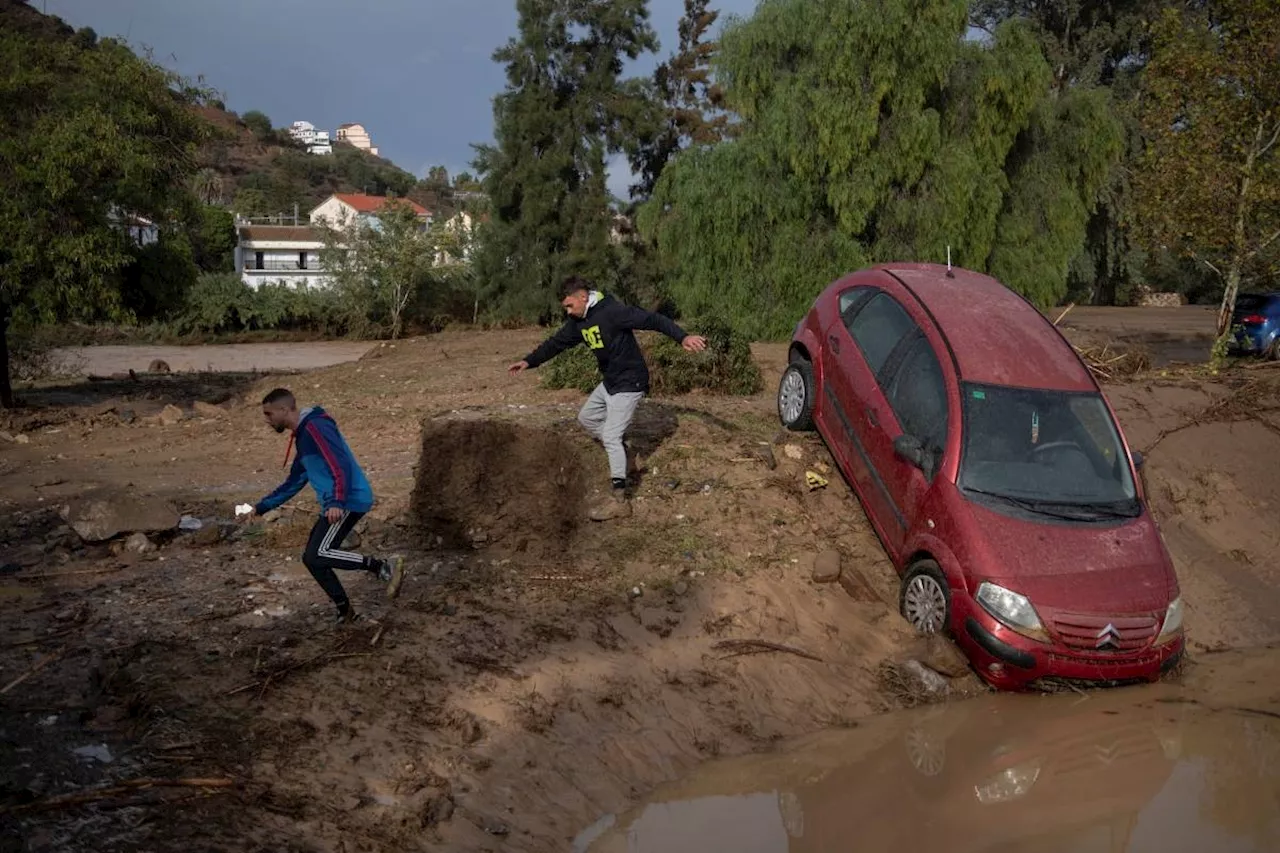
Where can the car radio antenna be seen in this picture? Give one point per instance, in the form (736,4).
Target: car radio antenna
(950,274)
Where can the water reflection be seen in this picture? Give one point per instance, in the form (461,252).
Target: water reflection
(1113,772)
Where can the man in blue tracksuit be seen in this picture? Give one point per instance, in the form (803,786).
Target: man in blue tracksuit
(325,460)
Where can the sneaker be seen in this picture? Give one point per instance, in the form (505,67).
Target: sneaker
(392,574)
(346,617)
(614,506)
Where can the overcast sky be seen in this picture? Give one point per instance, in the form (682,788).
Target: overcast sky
(417,74)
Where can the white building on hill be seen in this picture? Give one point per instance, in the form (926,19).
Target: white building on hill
(355,135)
(279,254)
(317,141)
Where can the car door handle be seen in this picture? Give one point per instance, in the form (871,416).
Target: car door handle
(835,343)
(872,417)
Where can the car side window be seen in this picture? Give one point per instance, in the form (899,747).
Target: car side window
(918,395)
(877,328)
(851,299)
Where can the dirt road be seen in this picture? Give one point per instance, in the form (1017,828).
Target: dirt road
(531,678)
(222,358)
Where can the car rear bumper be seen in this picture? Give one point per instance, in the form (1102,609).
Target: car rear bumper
(1009,661)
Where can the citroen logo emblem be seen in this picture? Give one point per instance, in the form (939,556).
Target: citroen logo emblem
(1108,636)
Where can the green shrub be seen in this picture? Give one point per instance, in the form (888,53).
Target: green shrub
(725,367)
(222,302)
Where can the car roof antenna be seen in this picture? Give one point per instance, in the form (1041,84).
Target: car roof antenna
(950,274)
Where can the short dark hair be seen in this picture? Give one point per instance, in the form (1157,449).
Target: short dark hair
(573,284)
(280,395)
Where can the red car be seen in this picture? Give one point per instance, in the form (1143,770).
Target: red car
(993,470)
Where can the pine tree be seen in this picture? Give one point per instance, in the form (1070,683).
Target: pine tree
(692,102)
(566,109)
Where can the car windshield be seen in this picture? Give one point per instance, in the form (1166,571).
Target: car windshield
(1049,451)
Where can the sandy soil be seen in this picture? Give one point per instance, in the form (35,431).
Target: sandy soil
(533,676)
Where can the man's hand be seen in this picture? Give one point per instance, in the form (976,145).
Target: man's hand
(694,343)
(247,517)
(333,515)
(517,367)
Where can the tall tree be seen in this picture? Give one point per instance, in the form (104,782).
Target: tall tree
(93,135)
(565,110)
(693,102)
(876,133)
(1094,44)
(1210,180)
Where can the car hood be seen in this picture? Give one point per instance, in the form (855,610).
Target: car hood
(1120,567)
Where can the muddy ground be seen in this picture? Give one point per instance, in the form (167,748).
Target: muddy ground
(536,673)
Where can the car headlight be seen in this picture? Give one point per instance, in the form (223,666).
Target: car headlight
(1172,622)
(1008,784)
(1012,609)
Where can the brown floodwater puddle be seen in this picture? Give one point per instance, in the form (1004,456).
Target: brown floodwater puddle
(1120,771)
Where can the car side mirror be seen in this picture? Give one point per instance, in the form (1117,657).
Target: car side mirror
(1138,459)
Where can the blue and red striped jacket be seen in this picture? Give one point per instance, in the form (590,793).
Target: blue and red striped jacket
(325,461)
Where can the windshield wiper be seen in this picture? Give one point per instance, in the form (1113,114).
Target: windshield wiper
(1058,509)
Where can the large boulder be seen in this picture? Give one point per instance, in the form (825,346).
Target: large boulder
(105,514)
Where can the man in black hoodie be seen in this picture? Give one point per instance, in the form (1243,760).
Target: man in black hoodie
(606,326)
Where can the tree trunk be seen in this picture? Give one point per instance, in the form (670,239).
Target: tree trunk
(6,389)
(1236,269)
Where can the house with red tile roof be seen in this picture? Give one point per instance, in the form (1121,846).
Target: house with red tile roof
(342,209)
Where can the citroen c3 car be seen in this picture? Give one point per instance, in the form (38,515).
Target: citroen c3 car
(993,470)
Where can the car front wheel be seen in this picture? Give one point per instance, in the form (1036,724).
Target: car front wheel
(926,598)
(795,396)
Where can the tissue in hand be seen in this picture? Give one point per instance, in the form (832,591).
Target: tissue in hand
(243,509)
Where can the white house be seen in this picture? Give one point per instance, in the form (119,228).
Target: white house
(342,209)
(316,141)
(355,135)
(462,224)
(271,254)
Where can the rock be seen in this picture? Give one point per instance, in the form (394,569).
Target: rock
(4,436)
(929,681)
(680,587)
(190,523)
(208,410)
(170,415)
(105,514)
(127,416)
(272,516)
(138,543)
(941,655)
(22,439)
(826,567)
(159,365)
(793,451)
(438,809)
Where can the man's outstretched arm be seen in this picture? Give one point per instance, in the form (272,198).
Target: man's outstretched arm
(290,487)
(639,318)
(564,338)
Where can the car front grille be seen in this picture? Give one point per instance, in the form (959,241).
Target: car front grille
(1089,633)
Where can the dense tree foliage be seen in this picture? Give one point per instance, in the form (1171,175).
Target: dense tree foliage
(880,134)
(94,137)
(1210,183)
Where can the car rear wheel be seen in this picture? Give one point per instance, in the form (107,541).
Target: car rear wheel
(926,599)
(795,396)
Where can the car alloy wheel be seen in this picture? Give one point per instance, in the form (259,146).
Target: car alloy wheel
(926,604)
(795,395)
(791,396)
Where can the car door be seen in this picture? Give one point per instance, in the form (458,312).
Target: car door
(916,394)
(868,336)
(832,410)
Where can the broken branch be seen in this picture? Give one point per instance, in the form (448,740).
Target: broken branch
(129,785)
(755,647)
(41,664)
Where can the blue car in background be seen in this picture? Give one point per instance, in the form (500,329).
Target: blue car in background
(1257,324)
